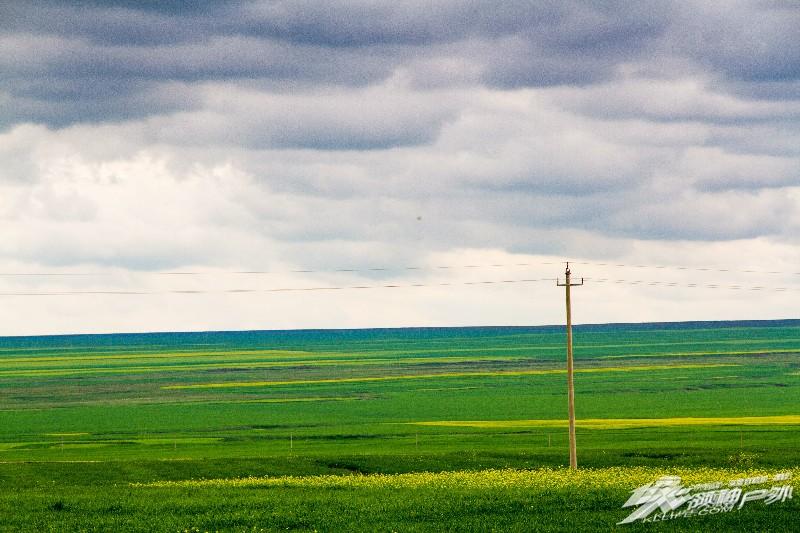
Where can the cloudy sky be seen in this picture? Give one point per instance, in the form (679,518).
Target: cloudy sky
(139,138)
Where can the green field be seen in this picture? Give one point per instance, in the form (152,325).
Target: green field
(108,433)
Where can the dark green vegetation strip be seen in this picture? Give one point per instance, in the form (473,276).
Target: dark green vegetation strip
(79,415)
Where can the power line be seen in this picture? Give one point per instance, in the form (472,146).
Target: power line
(688,268)
(671,284)
(637,282)
(280,289)
(395,269)
(279,272)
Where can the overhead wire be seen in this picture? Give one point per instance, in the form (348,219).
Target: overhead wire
(396,269)
(636,282)
(688,268)
(602,280)
(656,283)
(270,290)
(280,272)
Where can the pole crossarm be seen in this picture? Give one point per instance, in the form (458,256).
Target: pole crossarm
(568,282)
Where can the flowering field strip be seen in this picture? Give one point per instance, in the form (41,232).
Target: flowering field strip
(704,353)
(233,364)
(621,423)
(302,399)
(134,356)
(283,359)
(510,373)
(790,342)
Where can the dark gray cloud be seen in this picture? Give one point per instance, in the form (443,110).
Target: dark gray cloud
(779,139)
(101,23)
(330,24)
(59,54)
(694,216)
(60,103)
(750,41)
(368,119)
(684,100)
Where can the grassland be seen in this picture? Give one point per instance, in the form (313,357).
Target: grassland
(113,432)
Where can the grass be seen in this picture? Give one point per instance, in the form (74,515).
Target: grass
(331,428)
(509,500)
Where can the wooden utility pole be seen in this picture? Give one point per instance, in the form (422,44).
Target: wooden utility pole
(573,453)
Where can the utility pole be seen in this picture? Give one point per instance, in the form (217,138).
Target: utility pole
(573,454)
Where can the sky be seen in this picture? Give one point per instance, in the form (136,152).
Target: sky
(390,139)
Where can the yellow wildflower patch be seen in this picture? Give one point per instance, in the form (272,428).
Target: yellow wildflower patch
(293,400)
(625,478)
